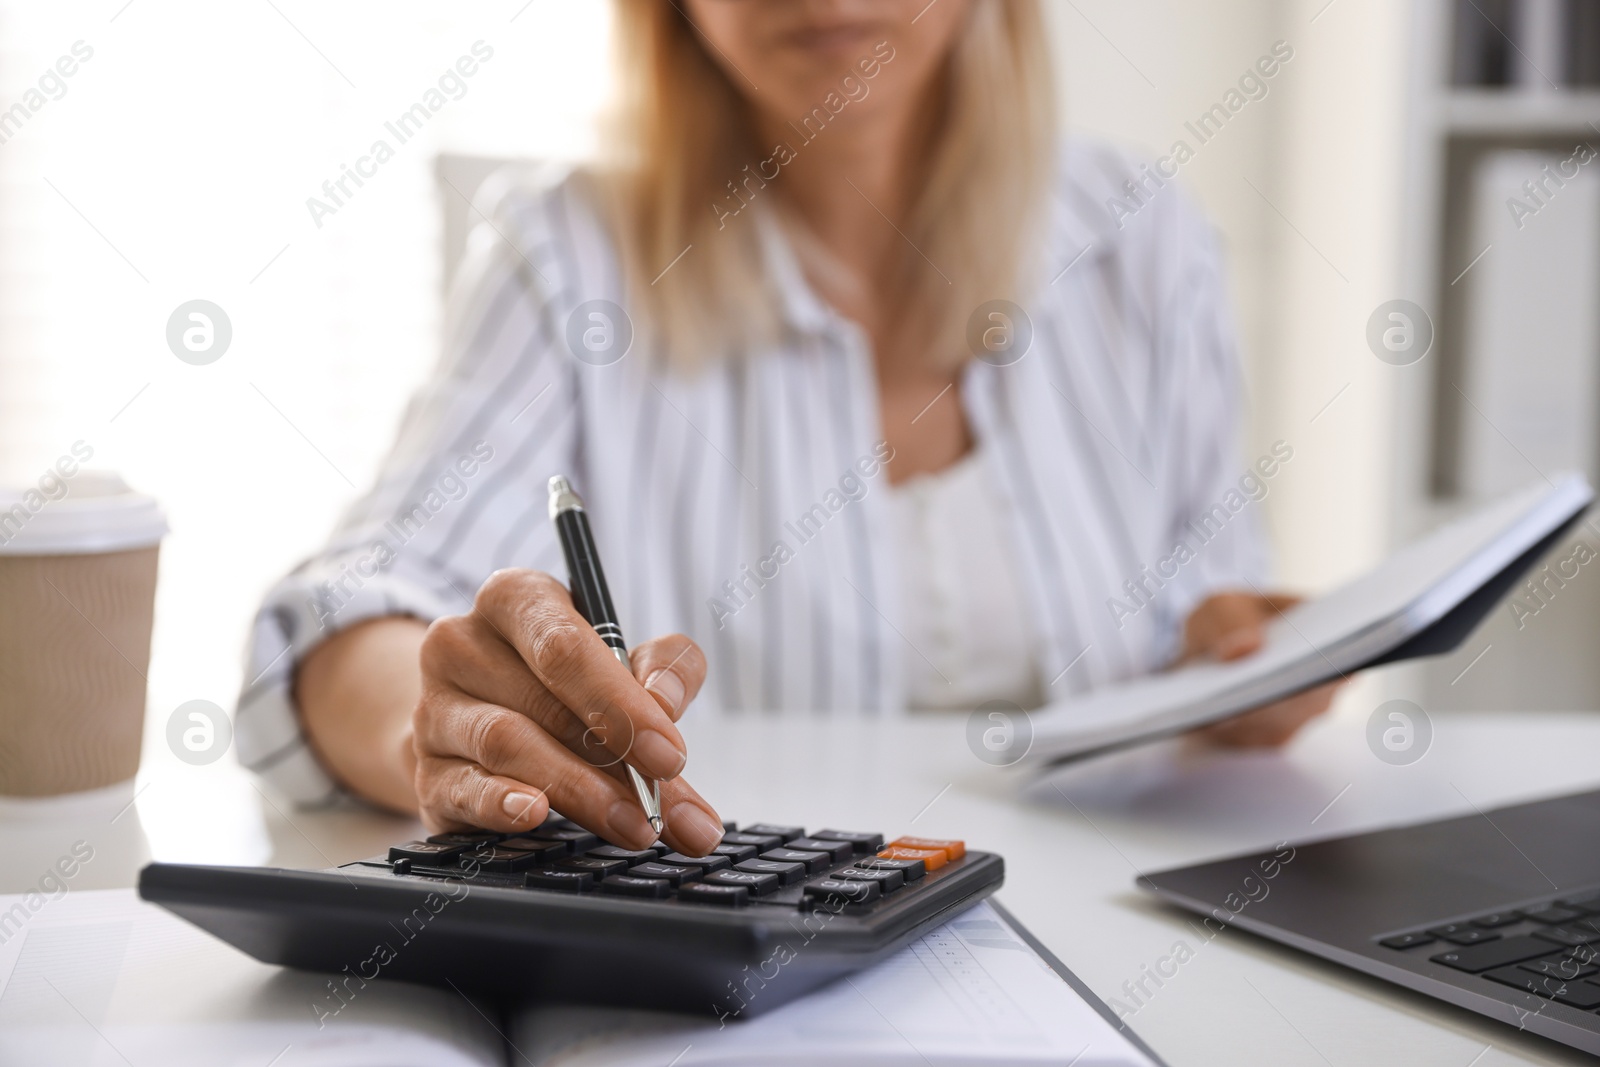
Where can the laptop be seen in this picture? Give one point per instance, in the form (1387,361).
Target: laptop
(1497,912)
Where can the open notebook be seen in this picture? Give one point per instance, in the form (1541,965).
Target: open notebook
(1422,601)
(103,978)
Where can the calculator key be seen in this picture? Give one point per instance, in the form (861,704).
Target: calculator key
(888,881)
(759,842)
(788,873)
(470,838)
(814,862)
(729,826)
(953,849)
(864,844)
(667,872)
(788,833)
(734,853)
(1560,967)
(566,881)
(704,863)
(598,867)
(1552,914)
(909,869)
(547,850)
(852,892)
(729,896)
(630,855)
(932,858)
(577,839)
(495,858)
(628,886)
(1497,918)
(835,850)
(429,852)
(759,885)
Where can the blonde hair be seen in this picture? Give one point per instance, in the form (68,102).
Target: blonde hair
(683,133)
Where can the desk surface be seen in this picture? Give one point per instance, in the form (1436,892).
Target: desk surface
(1071,852)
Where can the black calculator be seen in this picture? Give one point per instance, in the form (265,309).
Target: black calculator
(558,914)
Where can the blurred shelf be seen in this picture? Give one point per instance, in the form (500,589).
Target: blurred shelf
(1519,112)
(1489,79)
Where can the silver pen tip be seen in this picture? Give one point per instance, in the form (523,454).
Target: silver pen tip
(657,823)
(562,496)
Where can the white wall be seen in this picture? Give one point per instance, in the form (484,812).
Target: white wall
(1306,177)
(177,166)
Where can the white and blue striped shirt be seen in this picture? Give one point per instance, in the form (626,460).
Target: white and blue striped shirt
(746,506)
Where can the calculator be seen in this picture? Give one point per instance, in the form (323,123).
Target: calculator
(560,915)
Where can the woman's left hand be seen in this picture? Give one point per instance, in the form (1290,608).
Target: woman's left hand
(1228,626)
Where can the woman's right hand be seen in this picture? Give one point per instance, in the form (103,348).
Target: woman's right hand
(525,709)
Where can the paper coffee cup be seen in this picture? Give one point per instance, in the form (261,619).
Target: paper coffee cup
(77,599)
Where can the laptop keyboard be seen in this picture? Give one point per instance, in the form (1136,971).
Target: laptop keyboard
(1550,949)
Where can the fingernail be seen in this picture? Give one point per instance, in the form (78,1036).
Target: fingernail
(668,686)
(518,805)
(658,757)
(698,831)
(626,824)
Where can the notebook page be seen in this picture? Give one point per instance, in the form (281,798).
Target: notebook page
(101,977)
(969,992)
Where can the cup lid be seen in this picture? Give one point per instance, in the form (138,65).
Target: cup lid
(93,511)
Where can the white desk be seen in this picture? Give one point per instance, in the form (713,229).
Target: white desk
(1070,870)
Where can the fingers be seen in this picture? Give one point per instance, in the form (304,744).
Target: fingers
(525,710)
(1228,626)
(534,614)
(1273,725)
(671,669)
(466,653)
(1231,617)
(477,763)
(691,825)
(460,795)
(1232,628)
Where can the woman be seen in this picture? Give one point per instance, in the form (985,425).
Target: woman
(867,390)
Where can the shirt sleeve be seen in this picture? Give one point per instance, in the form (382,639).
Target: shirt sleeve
(1216,495)
(460,494)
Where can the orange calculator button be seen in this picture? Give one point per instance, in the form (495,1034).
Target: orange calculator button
(953,849)
(932,858)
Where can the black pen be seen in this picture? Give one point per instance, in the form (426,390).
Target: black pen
(593,600)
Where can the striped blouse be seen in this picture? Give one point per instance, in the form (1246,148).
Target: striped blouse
(747,506)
